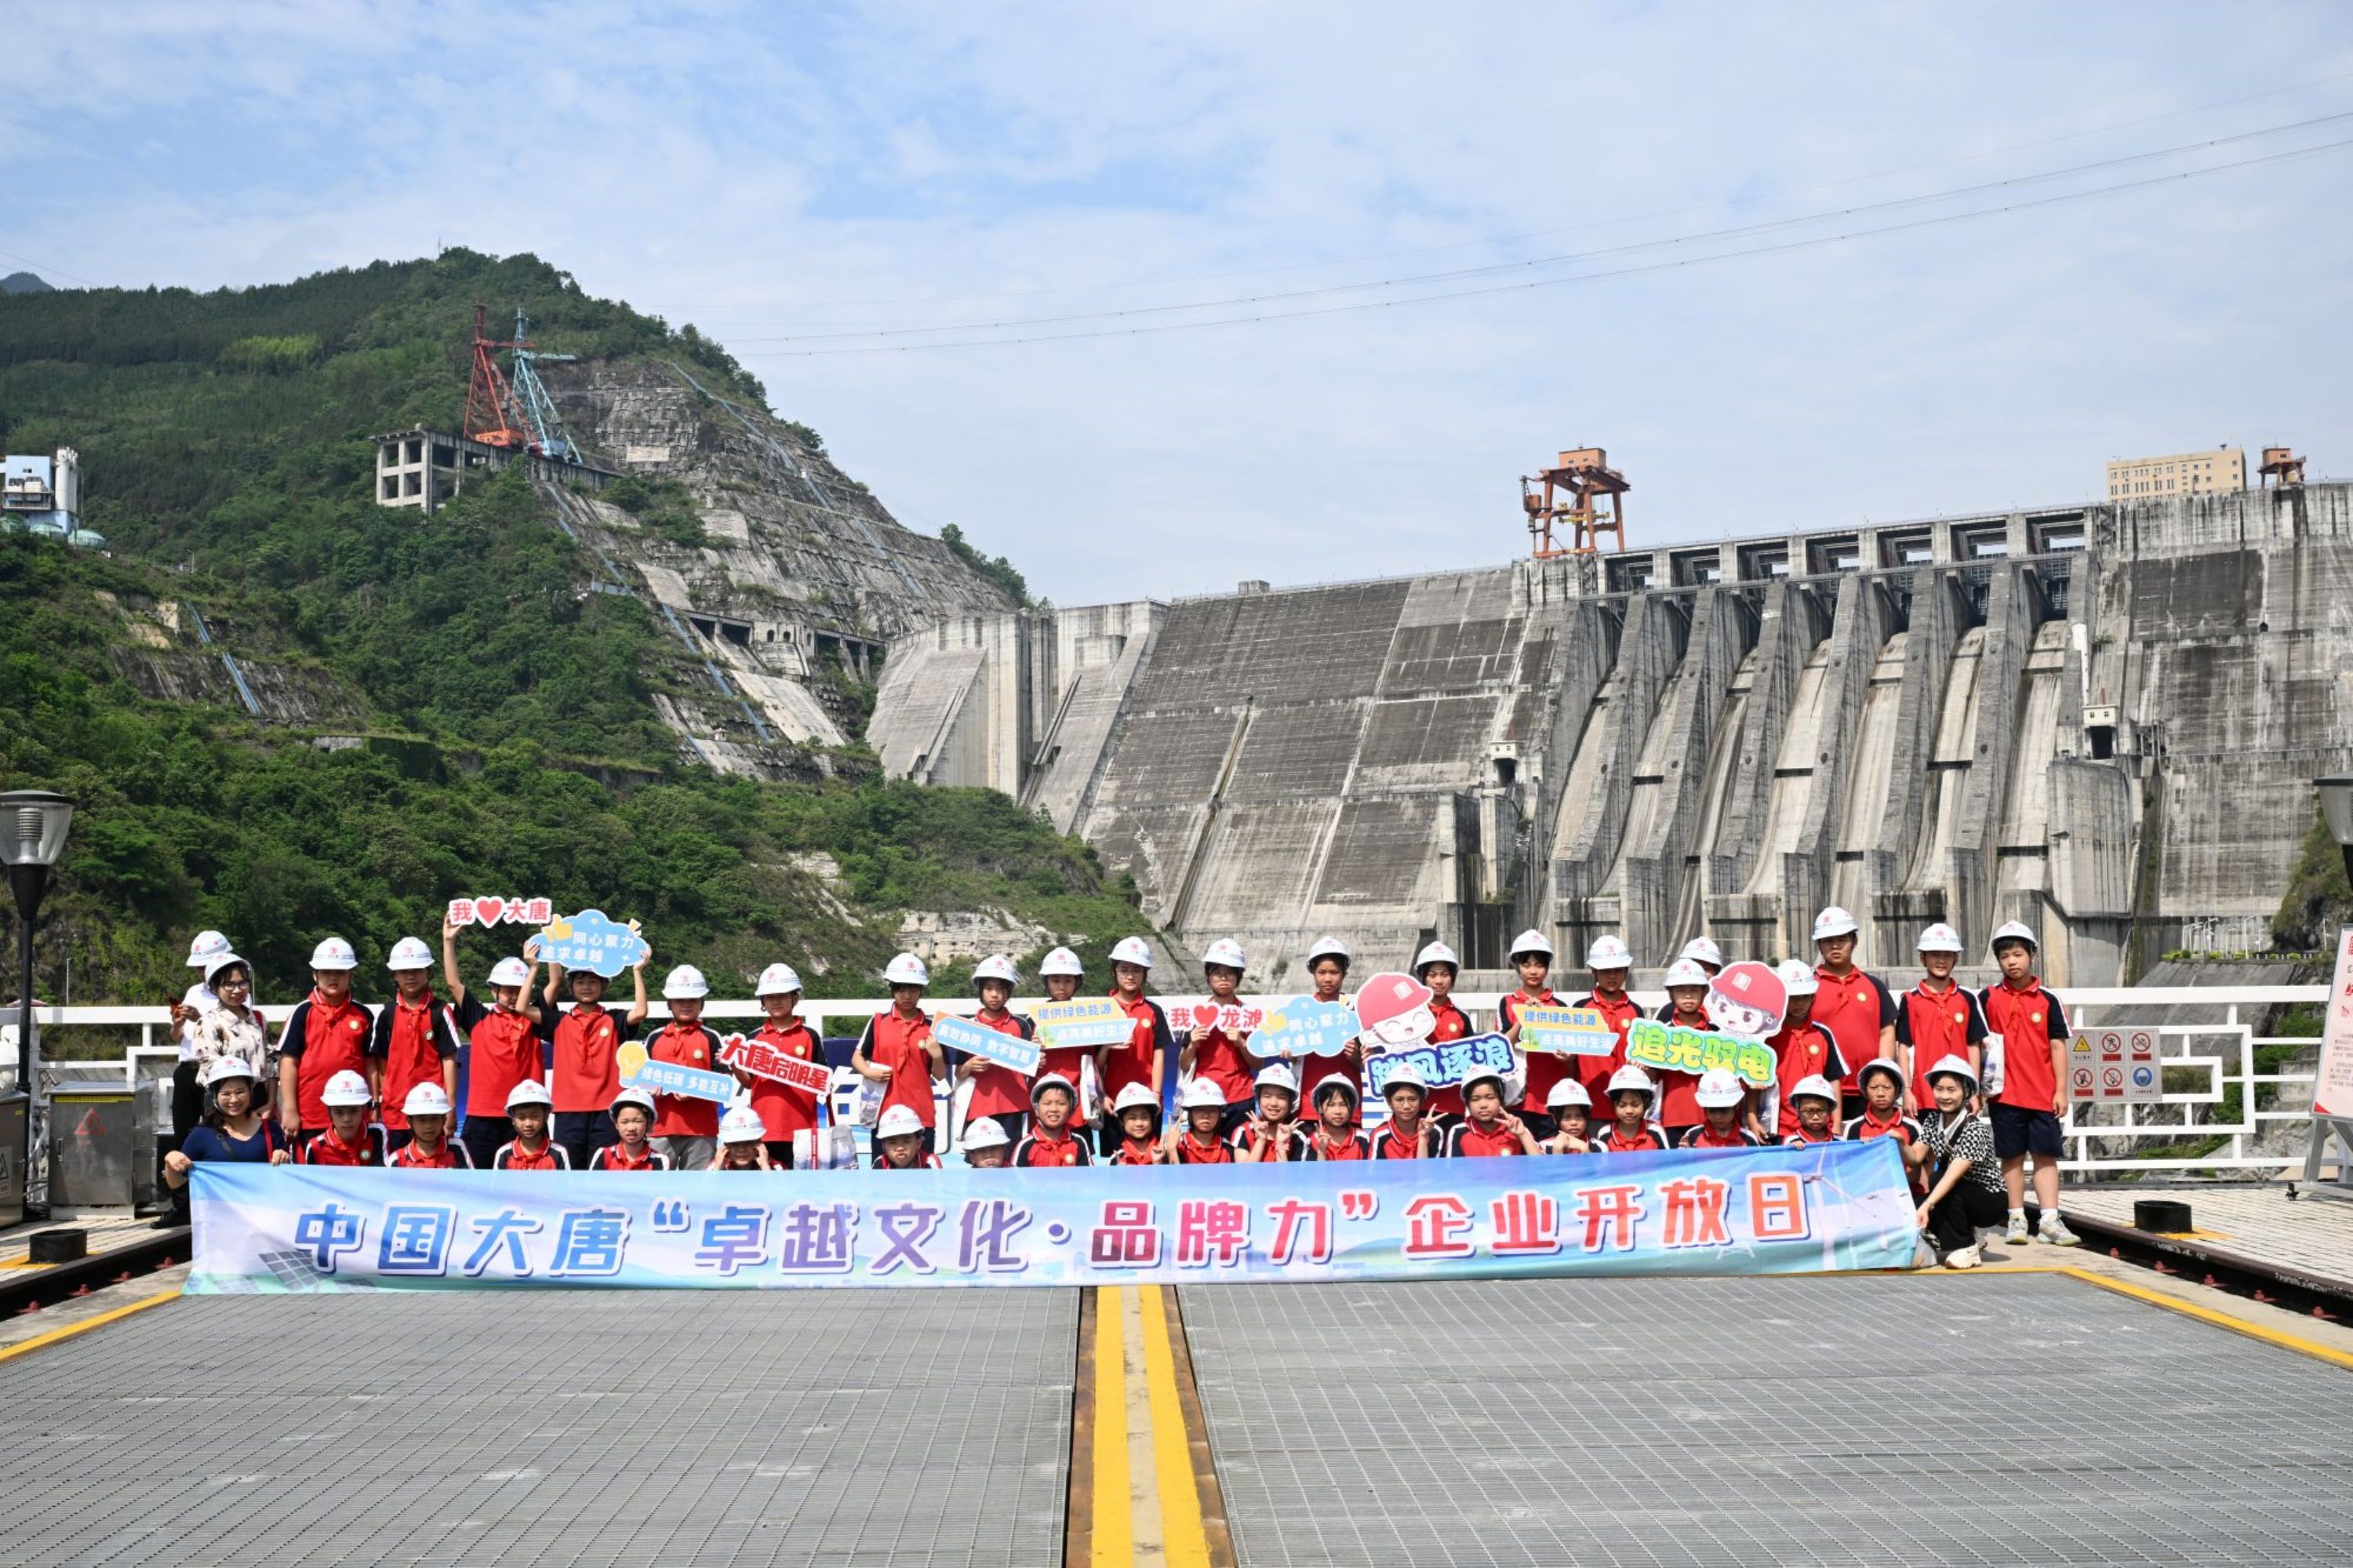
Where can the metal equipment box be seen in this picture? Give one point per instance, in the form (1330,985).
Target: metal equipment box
(12,1171)
(101,1147)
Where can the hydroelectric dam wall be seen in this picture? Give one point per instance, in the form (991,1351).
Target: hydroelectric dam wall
(2101,720)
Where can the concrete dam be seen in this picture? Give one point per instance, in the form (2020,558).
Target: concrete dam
(2101,720)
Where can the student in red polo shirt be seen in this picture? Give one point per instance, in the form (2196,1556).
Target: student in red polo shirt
(2031,1024)
(326,1033)
(1328,967)
(741,1145)
(1854,1005)
(998,1091)
(1609,962)
(902,1141)
(503,1046)
(1050,1143)
(585,1044)
(529,1110)
(1436,967)
(1335,1136)
(1720,1095)
(1486,1127)
(632,1146)
(1060,972)
(685,1127)
(1137,1114)
(1802,1050)
(1631,1131)
(984,1146)
(1143,1059)
(1408,1134)
(1882,1110)
(1272,1133)
(1687,1008)
(1814,1102)
(1213,1053)
(1572,1118)
(897,1049)
(1200,1140)
(429,1145)
(414,1040)
(1532,957)
(352,1139)
(1937,1018)
(783,1109)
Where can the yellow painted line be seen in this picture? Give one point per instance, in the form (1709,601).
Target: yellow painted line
(1112,1543)
(2269,1335)
(28,1347)
(1184,1537)
(1145,1536)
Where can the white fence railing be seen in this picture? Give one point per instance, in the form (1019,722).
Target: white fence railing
(2146,1138)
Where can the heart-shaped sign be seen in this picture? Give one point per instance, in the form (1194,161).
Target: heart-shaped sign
(1204,1015)
(487,910)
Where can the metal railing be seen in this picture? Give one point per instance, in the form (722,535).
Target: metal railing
(2105,1141)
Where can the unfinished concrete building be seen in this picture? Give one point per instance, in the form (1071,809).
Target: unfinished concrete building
(2102,721)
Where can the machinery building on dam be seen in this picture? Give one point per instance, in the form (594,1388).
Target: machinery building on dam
(2102,720)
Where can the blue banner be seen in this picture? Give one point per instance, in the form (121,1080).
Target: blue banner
(1441,1065)
(1012,1051)
(263,1228)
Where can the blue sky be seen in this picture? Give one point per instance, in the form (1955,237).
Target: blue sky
(773,172)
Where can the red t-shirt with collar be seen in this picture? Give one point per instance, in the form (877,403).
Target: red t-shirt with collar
(1039,1152)
(996,1089)
(613,1156)
(326,1149)
(1802,1051)
(688,1045)
(1132,1063)
(501,1050)
(1355,1146)
(1593,1072)
(1544,1068)
(1219,1059)
(587,1063)
(785,1110)
(1390,1145)
(412,1042)
(1936,1024)
(1467,1140)
(891,1042)
(1895,1125)
(1451,1023)
(325,1038)
(551,1156)
(451,1156)
(2028,1018)
(1611,1139)
(1314,1070)
(1678,1092)
(1707,1137)
(1133,1153)
(1191,1150)
(1291,1135)
(1854,1008)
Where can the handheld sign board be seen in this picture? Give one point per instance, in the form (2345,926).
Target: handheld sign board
(1088,1021)
(1566,1031)
(1442,1064)
(640,1071)
(591,940)
(979,1040)
(492,911)
(1228,1019)
(761,1060)
(1673,1048)
(1393,1012)
(1304,1027)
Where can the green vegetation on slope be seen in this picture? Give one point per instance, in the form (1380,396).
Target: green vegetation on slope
(2318,902)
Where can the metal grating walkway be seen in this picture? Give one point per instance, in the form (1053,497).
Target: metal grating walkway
(1744,1423)
(630,1429)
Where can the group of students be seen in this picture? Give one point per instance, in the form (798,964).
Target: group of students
(1853,1060)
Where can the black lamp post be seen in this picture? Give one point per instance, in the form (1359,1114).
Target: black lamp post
(33,825)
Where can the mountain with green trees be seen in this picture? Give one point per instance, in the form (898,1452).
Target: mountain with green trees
(285,711)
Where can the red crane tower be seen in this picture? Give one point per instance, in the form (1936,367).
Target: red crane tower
(1581,490)
(489,401)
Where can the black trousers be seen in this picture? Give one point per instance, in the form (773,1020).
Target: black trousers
(483,1136)
(1957,1217)
(583,1133)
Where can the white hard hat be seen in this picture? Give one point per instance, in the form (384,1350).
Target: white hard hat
(685,983)
(224,1068)
(1051,1081)
(981,1132)
(1329,947)
(1132,1096)
(1200,1092)
(1609,953)
(1814,1086)
(1719,1087)
(1886,1064)
(1337,1081)
(1407,1076)
(2011,930)
(1278,1075)
(897,1122)
(1435,953)
(1228,952)
(632,1096)
(221,960)
(1939,938)
(1685,971)
(529,1092)
(334,953)
(743,1125)
(1482,1076)
(345,1088)
(1954,1065)
(1567,1092)
(511,971)
(906,969)
(408,953)
(1629,1077)
(1531,941)
(1701,950)
(1131,951)
(1796,977)
(425,1100)
(1834,922)
(996,967)
(1060,961)
(208,946)
(776,980)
